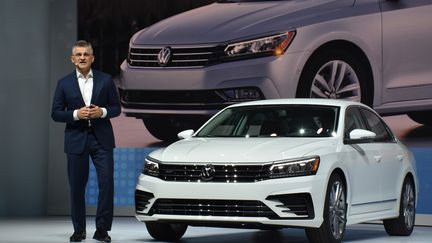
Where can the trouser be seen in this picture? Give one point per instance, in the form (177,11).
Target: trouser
(78,172)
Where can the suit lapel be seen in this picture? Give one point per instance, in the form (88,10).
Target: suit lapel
(75,86)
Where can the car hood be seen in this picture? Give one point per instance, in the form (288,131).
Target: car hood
(220,22)
(251,150)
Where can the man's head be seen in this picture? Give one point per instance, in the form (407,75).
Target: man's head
(82,56)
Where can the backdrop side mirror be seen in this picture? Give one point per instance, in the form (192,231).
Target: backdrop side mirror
(185,134)
(360,136)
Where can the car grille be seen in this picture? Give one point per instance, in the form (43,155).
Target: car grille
(188,97)
(197,207)
(181,57)
(223,173)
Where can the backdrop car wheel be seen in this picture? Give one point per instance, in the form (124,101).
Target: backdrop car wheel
(334,74)
(422,117)
(332,229)
(166,231)
(404,224)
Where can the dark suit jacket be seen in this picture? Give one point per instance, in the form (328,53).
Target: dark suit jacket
(67,98)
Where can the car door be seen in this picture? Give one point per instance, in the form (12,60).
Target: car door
(363,168)
(389,159)
(407,52)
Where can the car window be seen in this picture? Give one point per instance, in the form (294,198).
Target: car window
(353,120)
(273,121)
(377,126)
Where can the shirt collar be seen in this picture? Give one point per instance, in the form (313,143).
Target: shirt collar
(80,75)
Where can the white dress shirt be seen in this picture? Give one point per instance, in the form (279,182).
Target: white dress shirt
(86,87)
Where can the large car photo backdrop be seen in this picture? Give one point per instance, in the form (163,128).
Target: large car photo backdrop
(384,64)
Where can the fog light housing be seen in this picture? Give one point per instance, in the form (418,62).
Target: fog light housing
(241,94)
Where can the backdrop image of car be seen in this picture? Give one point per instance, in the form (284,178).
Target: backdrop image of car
(109,26)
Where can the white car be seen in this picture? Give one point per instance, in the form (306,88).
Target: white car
(314,163)
(191,65)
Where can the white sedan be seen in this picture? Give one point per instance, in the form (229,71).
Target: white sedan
(314,163)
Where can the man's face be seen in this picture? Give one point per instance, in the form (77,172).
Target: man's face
(82,58)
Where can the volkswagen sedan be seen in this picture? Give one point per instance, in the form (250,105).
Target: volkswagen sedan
(319,164)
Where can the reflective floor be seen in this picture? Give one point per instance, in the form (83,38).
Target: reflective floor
(127,229)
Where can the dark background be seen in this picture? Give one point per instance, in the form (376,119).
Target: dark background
(109,24)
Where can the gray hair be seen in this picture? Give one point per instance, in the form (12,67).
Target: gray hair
(82,43)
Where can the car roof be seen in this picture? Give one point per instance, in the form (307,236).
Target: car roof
(301,101)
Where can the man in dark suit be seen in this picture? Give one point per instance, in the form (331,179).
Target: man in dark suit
(85,100)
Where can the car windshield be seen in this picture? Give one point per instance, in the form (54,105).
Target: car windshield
(273,121)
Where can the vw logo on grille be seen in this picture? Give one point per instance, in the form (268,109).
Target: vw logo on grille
(207,172)
(164,56)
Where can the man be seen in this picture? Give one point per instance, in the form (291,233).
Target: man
(85,100)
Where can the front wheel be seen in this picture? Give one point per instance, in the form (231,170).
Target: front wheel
(404,224)
(335,74)
(166,231)
(332,229)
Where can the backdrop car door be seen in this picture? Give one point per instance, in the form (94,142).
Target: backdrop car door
(407,28)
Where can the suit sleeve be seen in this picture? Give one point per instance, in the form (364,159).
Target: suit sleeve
(58,110)
(113,107)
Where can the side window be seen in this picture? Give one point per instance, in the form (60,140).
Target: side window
(353,120)
(377,126)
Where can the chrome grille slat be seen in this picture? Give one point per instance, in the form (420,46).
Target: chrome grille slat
(181,56)
(223,173)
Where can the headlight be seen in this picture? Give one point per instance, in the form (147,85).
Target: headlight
(151,167)
(298,167)
(266,46)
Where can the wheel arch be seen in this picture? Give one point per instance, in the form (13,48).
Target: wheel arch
(350,47)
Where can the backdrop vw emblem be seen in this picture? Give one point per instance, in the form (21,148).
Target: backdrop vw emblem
(207,172)
(164,56)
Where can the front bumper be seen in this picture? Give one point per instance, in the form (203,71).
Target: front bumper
(207,204)
(273,77)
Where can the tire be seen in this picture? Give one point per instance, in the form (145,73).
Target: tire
(332,230)
(166,231)
(404,224)
(422,117)
(320,78)
(167,128)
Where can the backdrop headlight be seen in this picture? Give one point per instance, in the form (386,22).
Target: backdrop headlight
(151,167)
(265,46)
(298,167)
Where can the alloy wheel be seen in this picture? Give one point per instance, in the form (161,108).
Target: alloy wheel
(337,210)
(336,80)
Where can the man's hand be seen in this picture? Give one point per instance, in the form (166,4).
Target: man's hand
(89,112)
(95,111)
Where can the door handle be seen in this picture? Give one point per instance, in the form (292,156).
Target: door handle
(400,157)
(378,158)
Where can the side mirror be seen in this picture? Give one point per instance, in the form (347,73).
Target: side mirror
(185,134)
(360,136)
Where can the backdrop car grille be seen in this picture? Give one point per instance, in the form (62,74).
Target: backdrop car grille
(172,97)
(234,208)
(223,173)
(181,57)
